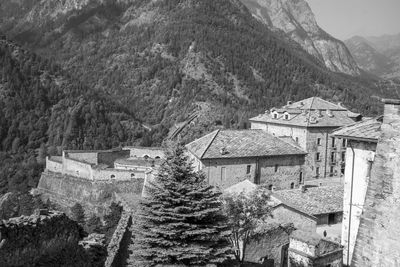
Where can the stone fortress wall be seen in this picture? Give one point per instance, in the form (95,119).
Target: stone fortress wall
(90,178)
(97,165)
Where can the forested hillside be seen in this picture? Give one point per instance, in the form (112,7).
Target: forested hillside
(42,110)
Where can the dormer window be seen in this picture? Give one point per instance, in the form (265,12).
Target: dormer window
(274,114)
(287,116)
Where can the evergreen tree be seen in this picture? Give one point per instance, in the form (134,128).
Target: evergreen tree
(180,221)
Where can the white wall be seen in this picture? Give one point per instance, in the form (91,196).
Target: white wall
(363,153)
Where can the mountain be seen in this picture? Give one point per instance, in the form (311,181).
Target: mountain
(296,19)
(166,61)
(369,58)
(378,55)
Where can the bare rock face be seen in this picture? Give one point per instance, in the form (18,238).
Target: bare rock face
(296,19)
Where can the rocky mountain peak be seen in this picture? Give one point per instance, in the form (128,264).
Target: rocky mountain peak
(296,19)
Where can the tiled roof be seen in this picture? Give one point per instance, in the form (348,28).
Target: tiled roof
(368,130)
(314,103)
(241,144)
(315,200)
(245,186)
(311,112)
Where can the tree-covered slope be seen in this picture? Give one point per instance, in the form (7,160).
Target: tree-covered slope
(43,110)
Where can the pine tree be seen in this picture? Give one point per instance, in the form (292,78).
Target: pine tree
(180,221)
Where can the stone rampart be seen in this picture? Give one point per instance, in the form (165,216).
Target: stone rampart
(140,152)
(94,195)
(114,247)
(25,240)
(115,174)
(76,168)
(53,165)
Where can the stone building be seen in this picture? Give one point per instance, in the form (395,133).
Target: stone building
(309,123)
(310,250)
(325,203)
(378,238)
(270,245)
(228,157)
(362,139)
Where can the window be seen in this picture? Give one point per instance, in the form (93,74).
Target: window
(276,167)
(145,156)
(318,156)
(248,169)
(317,171)
(223,173)
(332,156)
(343,156)
(301,178)
(132,175)
(112,176)
(157,157)
(332,169)
(369,168)
(286,116)
(297,139)
(270,187)
(344,143)
(333,142)
(292,186)
(342,170)
(319,141)
(275,115)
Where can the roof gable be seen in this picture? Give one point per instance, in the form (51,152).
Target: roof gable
(200,146)
(314,103)
(368,130)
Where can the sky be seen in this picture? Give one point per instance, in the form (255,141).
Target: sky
(346,18)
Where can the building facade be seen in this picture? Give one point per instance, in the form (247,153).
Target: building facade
(310,123)
(308,250)
(362,139)
(228,157)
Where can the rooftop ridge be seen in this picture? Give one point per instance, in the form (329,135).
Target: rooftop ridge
(209,143)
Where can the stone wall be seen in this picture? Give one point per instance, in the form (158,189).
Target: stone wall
(285,214)
(113,248)
(355,190)
(140,152)
(116,174)
(25,240)
(378,236)
(95,196)
(228,172)
(90,157)
(53,166)
(76,168)
(109,157)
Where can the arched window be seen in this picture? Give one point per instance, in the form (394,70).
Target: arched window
(275,115)
(112,176)
(132,175)
(270,187)
(157,157)
(287,116)
(146,156)
(292,186)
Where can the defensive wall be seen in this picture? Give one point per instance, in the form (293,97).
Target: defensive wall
(116,248)
(142,152)
(83,170)
(94,195)
(25,240)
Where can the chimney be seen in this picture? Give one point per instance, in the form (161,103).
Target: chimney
(303,188)
(318,112)
(223,151)
(329,113)
(391,109)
